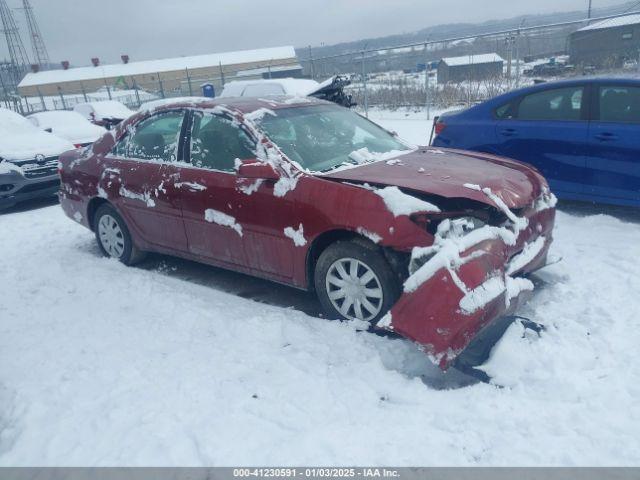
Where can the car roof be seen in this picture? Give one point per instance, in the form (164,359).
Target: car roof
(243,104)
(510,95)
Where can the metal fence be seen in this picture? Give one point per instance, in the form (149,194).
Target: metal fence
(395,76)
(406,75)
(134,92)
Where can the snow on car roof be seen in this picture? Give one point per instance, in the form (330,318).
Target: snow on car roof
(283,86)
(613,22)
(473,59)
(10,121)
(106,109)
(56,117)
(20,139)
(155,66)
(242,104)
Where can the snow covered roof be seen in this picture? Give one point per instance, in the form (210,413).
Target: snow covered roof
(155,66)
(613,22)
(473,59)
(104,109)
(275,86)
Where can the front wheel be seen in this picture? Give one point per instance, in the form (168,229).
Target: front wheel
(354,281)
(113,236)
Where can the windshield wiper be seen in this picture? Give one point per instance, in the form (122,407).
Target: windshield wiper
(343,164)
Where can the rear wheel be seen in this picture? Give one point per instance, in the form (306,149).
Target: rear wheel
(354,281)
(113,236)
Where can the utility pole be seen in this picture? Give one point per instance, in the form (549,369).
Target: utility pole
(313,68)
(364,84)
(509,45)
(427,69)
(589,11)
(18,58)
(41,56)
(518,54)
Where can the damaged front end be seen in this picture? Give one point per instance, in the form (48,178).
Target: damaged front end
(471,278)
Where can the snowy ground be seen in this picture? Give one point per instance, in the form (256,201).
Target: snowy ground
(411,124)
(168,364)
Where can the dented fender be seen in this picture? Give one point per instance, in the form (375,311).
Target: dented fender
(448,310)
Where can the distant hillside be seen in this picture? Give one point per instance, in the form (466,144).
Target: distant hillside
(458,29)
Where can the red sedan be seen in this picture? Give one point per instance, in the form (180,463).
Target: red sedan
(432,244)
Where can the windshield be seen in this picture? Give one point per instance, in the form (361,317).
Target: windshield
(324,137)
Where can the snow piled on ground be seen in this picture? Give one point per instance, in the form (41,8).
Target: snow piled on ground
(412,125)
(101,364)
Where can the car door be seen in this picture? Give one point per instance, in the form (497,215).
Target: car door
(613,162)
(206,185)
(548,129)
(138,179)
(230,220)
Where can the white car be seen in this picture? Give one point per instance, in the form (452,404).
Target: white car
(332,89)
(28,160)
(298,87)
(68,125)
(105,113)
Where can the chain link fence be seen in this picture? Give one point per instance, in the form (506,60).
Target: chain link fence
(143,88)
(408,75)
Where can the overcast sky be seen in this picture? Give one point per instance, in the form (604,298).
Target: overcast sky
(77,30)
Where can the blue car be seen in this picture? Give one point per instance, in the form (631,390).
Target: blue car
(582,134)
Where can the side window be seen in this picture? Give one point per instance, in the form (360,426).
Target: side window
(556,104)
(505,111)
(155,138)
(620,104)
(216,143)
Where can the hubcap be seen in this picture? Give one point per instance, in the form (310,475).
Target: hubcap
(354,289)
(111,236)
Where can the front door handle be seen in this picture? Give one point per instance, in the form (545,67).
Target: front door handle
(509,132)
(606,136)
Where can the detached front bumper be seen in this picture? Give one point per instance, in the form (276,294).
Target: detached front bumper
(457,302)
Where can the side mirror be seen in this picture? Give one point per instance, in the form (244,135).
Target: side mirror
(255,169)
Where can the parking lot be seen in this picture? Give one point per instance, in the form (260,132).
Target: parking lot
(174,363)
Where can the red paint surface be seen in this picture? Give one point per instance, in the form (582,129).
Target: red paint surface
(324,205)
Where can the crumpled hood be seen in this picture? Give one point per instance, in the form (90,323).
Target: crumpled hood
(445,172)
(25,146)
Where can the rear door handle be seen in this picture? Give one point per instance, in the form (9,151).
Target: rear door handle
(606,136)
(509,132)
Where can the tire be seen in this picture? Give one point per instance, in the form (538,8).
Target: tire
(329,281)
(113,237)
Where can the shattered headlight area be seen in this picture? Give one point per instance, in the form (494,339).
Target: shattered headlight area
(472,274)
(446,229)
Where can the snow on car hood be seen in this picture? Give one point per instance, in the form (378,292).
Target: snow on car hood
(68,125)
(26,145)
(21,140)
(447,173)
